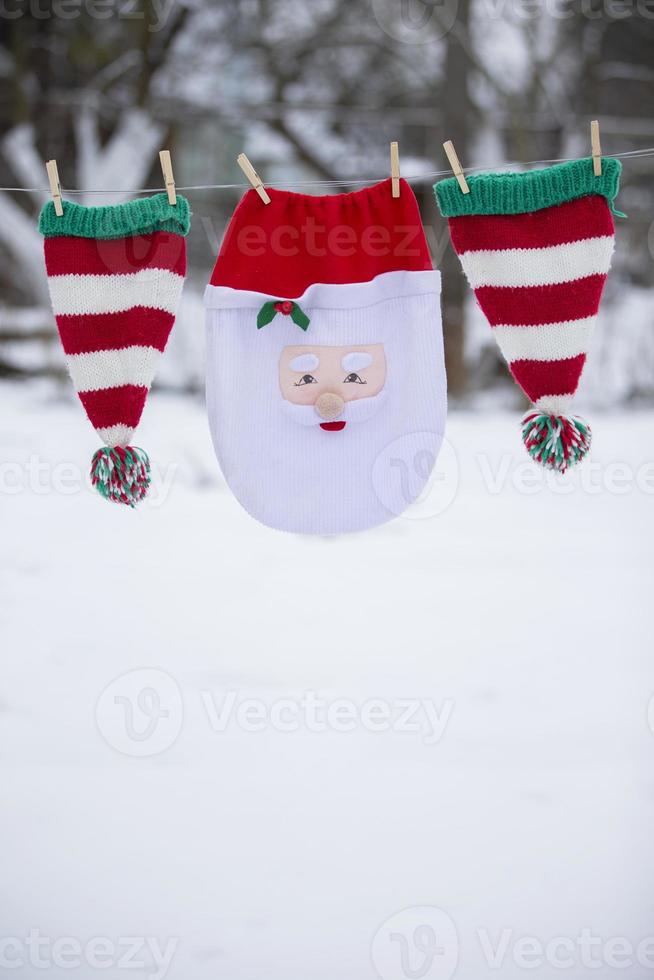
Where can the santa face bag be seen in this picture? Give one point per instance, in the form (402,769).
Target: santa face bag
(326,384)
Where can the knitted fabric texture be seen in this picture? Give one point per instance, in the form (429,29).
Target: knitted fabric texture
(115,276)
(139,217)
(521,193)
(326,387)
(536,249)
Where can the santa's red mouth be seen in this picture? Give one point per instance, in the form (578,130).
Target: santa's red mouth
(333,426)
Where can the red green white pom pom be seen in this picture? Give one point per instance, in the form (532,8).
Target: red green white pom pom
(121,474)
(555,441)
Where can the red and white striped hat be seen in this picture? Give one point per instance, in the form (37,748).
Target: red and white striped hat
(115,276)
(536,249)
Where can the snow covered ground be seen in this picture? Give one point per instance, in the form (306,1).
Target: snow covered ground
(423,751)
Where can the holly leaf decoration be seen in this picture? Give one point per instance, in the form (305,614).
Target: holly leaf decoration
(266,314)
(299,317)
(269,311)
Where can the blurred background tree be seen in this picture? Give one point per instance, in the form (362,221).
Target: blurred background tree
(316,92)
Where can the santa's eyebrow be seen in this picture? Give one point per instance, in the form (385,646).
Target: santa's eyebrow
(356,361)
(304,362)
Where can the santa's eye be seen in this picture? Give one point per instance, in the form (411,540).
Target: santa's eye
(306,379)
(354,379)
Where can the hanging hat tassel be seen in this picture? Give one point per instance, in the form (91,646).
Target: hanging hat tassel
(121,474)
(555,441)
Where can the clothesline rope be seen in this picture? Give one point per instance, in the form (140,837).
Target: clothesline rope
(417,178)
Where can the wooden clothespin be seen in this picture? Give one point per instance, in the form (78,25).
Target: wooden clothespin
(596,148)
(456,166)
(253,177)
(395,169)
(55,186)
(169,179)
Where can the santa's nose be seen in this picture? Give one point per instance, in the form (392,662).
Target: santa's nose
(329,405)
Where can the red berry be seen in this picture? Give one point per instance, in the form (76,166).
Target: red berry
(286,307)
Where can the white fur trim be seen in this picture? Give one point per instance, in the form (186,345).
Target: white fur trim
(538,266)
(351,295)
(75,295)
(116,435)
(545,341)
(113,368)
(356,361)
(305,362)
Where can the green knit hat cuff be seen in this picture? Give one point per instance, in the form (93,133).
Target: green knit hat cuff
(139,217)
(519,193)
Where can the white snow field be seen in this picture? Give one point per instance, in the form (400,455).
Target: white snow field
(232,754)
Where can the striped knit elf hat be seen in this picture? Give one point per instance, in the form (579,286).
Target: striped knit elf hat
(115,276)
(536,248)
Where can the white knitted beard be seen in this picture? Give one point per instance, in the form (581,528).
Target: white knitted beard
(299,477)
